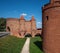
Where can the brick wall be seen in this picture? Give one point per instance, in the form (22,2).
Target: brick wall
(21,27)
(51,28)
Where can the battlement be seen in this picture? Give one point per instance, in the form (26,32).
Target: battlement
(13,19)
(52,4)
(21,18)
(54,1)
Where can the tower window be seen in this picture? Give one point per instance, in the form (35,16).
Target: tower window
(47,17)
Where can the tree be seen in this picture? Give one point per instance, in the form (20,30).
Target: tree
(2,24)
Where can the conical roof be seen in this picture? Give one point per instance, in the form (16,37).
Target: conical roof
(33,19)
(22,18)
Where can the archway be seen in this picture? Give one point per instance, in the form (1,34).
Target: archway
(38,34)
(8,28)
(28,35)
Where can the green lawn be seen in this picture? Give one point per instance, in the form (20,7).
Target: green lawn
(11,44)
(36,45)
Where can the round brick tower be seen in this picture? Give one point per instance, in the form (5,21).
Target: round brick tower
(51,27)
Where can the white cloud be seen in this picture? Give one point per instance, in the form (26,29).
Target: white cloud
(39,22)
(24,14)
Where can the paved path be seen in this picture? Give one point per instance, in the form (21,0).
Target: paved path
(25,48)
(4,33)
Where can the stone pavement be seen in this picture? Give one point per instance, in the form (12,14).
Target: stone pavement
(25,48)
(4,34)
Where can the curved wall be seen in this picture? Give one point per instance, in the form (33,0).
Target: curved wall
(51,29)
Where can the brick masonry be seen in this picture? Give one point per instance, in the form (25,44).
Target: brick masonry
(51,27)
(21,27)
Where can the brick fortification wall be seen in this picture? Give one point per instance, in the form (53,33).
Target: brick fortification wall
(12,26)
(21,27)
(51,27)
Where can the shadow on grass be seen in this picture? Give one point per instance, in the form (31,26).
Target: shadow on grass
(39,45)
(39,35)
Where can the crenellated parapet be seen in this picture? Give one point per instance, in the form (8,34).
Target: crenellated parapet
(52,4)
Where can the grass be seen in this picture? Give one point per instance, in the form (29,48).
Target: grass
(36,45)
(11,44)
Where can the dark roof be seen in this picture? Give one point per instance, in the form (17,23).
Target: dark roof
(39,28)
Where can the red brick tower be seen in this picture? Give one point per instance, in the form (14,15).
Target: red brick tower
(33,23)
(51,27)
(22,26)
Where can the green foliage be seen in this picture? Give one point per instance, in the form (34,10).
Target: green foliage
(2,24)
(36,45)
(11,44)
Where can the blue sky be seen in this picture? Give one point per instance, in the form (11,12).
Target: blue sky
(28,8)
